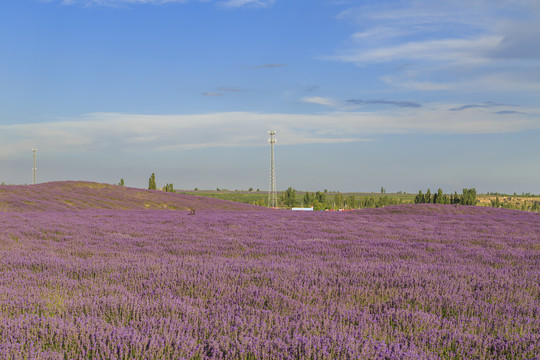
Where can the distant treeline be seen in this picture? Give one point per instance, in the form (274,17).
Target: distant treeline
(468,197)
(321,201)
(532,205)
(515,194)
(324,201)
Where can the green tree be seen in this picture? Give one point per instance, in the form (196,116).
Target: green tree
(438,198)
(317,206)
(289,197)
(370,202)
(121,183)
(419,199)
(468,197)
(496,203)
(320,197)
(168,188)
(427,197)
(351,202)
(152,182)
(446,199)
(308,199)
(339,201)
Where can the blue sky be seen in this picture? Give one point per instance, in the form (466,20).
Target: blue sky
(363,94)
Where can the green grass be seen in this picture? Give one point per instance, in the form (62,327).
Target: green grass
(236,196)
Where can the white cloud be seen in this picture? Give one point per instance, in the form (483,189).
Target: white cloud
(237,3)
(449,45)
(320,100)
(455,51)
(147,133)
(227,3)
(118,2)
(379,32)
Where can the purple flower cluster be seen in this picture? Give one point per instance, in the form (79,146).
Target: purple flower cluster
(76,195)
(402,282)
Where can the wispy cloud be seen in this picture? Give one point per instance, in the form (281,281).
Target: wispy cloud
(378,32)
(415,84)
(120,2)
(384,102)
(453,51)
(320,100)
(226,3)
(470,106)
(230,89)
(455,44)
(147,133)
(484,105)
(508,112)
(221,91)
(238,3)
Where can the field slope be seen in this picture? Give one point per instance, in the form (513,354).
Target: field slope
(77,195)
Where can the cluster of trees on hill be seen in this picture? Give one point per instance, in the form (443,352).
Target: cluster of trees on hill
(152,184)
(468,197)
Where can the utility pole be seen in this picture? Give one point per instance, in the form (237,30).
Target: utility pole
(272,200)
(34,169)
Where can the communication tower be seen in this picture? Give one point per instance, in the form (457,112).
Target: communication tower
(34,169)
(272,198)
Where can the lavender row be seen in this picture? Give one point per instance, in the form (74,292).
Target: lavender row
(403,282)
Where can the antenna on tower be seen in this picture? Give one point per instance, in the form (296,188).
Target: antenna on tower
(272,199)
(34,169)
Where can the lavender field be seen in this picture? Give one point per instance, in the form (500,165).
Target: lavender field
(90,272)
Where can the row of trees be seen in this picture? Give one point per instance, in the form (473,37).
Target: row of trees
(524,206)
(323,201)
(468,197)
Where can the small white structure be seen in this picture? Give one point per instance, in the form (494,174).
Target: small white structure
(303,209)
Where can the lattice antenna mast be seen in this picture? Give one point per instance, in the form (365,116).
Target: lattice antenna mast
(34,170)
(272,198)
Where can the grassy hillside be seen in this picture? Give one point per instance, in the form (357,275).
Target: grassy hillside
(77,195)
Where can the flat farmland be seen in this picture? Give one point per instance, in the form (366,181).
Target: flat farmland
(100,272)
(260,197)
